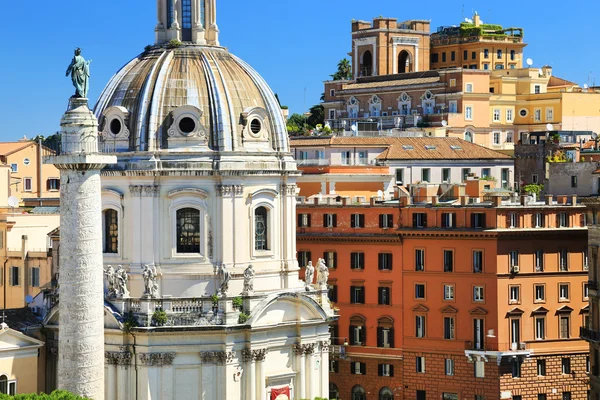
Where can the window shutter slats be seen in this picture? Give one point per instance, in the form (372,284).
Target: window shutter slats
(308,220)
(362,220)
(334,220)
(381,223)
(300,220)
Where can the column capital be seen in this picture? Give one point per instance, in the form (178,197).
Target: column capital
(217,357)
(157,359)
(304,349)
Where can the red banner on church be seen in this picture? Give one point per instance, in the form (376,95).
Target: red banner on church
(281,393)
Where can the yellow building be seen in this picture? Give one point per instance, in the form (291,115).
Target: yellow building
(475,45)
(18,362)
(32,182)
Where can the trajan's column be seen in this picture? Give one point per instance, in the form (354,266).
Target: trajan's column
(81,302)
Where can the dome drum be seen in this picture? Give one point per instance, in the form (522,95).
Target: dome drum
(114,128)
(186,129)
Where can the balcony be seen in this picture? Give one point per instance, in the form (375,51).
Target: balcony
(179,312)
(589,335)
(593,285)
(496,350)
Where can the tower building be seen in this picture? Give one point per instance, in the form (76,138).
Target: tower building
(202,294)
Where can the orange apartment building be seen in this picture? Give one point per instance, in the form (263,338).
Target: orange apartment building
(453,299)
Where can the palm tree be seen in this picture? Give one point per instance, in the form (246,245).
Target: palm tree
(344,70)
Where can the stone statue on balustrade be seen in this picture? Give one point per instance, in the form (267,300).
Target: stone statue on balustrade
(120,283)
(79,69)
(323,273)
(225,276)
(110,280)
(150,282)
(309,274)
(249,275)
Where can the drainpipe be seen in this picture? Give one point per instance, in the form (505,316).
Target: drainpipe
(4,287)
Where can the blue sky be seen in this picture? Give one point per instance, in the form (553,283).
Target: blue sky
(294,44)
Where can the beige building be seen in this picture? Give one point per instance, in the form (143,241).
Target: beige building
(32,182)
(18,362)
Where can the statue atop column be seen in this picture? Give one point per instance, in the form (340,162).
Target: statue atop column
(80,74)
(249,280)
(323,273)
(120,284)
(150,285)
(309,275)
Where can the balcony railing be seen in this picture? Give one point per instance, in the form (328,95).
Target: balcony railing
(179,312)
(502,347)
(593,285)
(589,334)
(70,146)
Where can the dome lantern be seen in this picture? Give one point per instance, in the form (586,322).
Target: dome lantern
(189,21)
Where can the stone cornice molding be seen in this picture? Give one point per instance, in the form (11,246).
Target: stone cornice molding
(157,359)
(118,357)
(144,190)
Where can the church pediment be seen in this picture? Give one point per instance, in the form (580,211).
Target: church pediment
(13,340)
(420,308)
(286,308)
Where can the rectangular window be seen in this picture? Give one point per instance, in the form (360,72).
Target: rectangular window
(420,326)
(445,175)
(420,365)
(332,112)
(449,328)
(14,167)
(509,115)
(496,115)
(53,184)
(419,259)
(505,177)
(565,365)
(586,289)
(304,220)
(465,174)
(537,115)
(385,337)
(425,174)
(15,276)
(444,56)
(419,291)
(563,261)
(357,221)
(514,260)
(486,66)
(357,260)
(479,366)
(35,277)
(357,335)
(514,294)
(448,260)
(435,57)
(473,55)
(563,218)
(537,89)
(449,366)
(329,220)
(448,292)
(334,366)
(27,184)
(478,294)
(499,53)
(478,221)
(478,334)
(452,106)
(452,56)
(565,331)
(330,258)
(468,113)
(469,87)
(386,221)
(303,258)
(362,158)
(513,220)
(385,296)
(419,220)
(386,370)
(400,176)
(516,371)
(497,138)
(486,53)
(538,220)
(358,368)
(540,293)
(574,181)
(332,92)
(540,328)
(332,293)
(346,157)
(549,114)
(566,396)
(486,172)
(357,294)
(515,331)
(448,220)
(385,261)
(477,261)
(541,368)
(563,291)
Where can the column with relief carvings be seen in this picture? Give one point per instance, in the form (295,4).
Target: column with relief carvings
(259,357)
(300,370)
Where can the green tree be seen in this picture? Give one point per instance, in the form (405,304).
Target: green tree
(56,395)
(296,123)
(344,70)
(317,116)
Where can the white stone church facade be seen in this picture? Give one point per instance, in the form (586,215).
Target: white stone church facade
(203,188)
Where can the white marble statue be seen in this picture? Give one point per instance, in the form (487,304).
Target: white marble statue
(120,283)
(225,278)
(110,280)
(249,280)
(150,285)
(309,275)
(323,273)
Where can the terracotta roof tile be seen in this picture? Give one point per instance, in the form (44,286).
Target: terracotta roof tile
(556,81)
(7,148)
(403,82)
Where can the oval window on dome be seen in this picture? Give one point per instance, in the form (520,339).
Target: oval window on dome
(187,125)
(255,126)
(115,126)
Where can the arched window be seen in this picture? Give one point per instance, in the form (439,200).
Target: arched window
(367,64)
(4,384)
(334,392)
(404,64)
(469,136)
(111,231)
(260,229)
(358,393)
(170,13)
(386,394)
(188,231)
(358,331)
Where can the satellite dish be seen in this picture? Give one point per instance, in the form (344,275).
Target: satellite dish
(28,299)
(13,202)
(585,86)
(594,135)
(549,127)
(444,123)
(541,72)
(529,62)
(354,128)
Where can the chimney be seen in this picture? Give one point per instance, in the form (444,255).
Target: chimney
(562,200)
(476,19)
(345,201)
(434,200)
(573,200)
(405,201)
(497,201)
(524,200)
(464,200)
(549,198)
(373,200)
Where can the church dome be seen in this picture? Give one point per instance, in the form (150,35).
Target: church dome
(190,98)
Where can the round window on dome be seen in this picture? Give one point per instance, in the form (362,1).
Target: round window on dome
(115,126)
(187,125)
(255,126)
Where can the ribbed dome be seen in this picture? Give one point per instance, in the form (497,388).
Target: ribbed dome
(191,97)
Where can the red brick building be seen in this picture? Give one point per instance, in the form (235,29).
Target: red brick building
(459,298)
